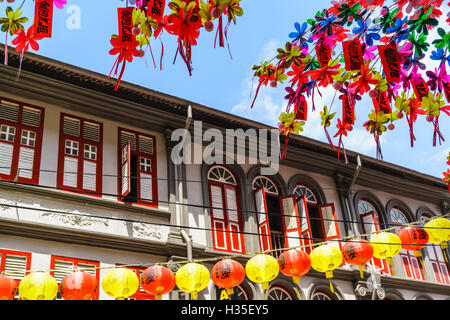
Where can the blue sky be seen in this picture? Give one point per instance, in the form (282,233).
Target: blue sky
(224,83)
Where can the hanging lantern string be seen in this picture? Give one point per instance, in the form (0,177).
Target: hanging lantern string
(271,213)
(245,255)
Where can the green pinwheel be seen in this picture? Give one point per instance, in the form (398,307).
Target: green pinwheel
(419,45)
(444,41)
(423,22)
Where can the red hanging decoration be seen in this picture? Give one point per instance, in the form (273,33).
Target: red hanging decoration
(156,9)
(8,288)
(157,280)
(294,263)
(323,55)
(43,18)
(343,129)
(348,111)
(357,253)
(125,18)
(390,60)
(353,55)
(126,52)
(381,102)
(79,285)
(227,274)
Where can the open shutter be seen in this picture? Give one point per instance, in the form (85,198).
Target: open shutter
(125,162)
(370,226)
(291,221)
(330,226)
(305,224)
(218,218)
(234,221)
(263,220)
(6,156)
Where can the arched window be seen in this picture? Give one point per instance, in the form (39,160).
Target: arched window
(436,256)
(226,219)
(370,225)
(269,186)
(319,295)
(319,220)
(278,293)
(411,264)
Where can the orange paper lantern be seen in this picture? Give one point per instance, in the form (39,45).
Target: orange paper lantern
(357,253)
(227,274)
(294,263)
(79,285)
(8,287)
(413,238)
(158,280)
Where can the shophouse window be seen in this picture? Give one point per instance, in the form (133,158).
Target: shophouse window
(80,155)
(226,217)
(138,181)
(21,127)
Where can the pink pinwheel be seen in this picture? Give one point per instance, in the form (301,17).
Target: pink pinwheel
(438,78)
(404,52)
(60,3)
(368,52)
(23,41)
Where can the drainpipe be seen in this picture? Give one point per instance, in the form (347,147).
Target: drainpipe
(187,237)
(355,175)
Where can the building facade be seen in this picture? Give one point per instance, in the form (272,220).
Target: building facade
(87,180)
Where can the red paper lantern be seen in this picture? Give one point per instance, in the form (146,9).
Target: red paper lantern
(227,274)
(8,288)
(157,280)
(413,238)
(294,263)
(79,285)
(357,253)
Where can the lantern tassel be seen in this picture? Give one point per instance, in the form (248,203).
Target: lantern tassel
(296,280)
(362,267)
(443,247)
(265,286)
(230,291)
(194,295)
(391,265)
(329,275)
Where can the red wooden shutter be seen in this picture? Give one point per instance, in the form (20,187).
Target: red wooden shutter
(330,226)
(145,166)
(291,221)
(234,219)
(125,156)
(306,233)
(218,221)
(370,225)
(265,241)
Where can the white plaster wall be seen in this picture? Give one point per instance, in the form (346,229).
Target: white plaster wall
(41,252)
(50,143)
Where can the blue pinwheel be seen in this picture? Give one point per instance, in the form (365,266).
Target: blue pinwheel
(439,55)
(370,34)
(299,35)
(400,33)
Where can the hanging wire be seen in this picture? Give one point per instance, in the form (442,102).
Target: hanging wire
(272,213)
(243,255)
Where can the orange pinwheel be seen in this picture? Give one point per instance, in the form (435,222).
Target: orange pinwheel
(324,76)
(362,85)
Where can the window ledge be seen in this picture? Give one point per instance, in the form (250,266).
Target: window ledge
(81,198)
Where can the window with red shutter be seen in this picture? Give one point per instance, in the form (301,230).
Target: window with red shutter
(140,293)
(138,181)
(226,220)
(63,266)
(411,264)
(21,128)
(15,264)
(370,225)
(80,155)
